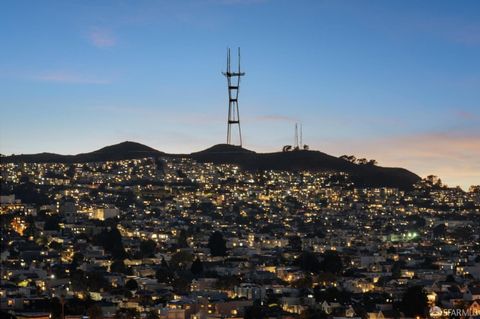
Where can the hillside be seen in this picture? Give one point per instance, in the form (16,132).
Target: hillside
(362,175)
(124,150)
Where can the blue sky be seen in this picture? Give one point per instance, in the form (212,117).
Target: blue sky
(398,81)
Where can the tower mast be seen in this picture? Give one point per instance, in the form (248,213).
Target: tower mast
(233,82)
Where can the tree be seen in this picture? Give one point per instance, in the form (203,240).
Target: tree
(305,282)
(55,245)
(350,158)
(217,244)
(96,280)
(31,230)
(111,240)
(255,311)
(450,278)
(433,181)
(181,284)
(180,260)
(151,315)
(197,267)
(165,275)
(308,262)
(295,242)
(312,313)
(331,262)
(95,312)
(147,248)
(70,171)
(126,313)
(414,302)
(118,266)
(55,308)
(362,161)
(52,222)
(77,260)
(131,284)
(182,239)
(440,230)
(397,268)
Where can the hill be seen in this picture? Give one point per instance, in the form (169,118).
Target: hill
(124,150)
(362,175)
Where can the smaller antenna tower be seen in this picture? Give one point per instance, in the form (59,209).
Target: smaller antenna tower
(297,141)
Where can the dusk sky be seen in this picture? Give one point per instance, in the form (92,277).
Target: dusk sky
(397,81)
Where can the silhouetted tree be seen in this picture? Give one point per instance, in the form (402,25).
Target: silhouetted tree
(397,268)
(313,313)
(147,248)
(152,315)
(180,260)
(182,239)
(255,311)
(362,161)
(55,308)
(217,244)
(111,240)
(440,230)
(131,284)
(126,313)
(295,242)
(52,222)
(331,262)
(450,278)
(165,275)
(118,266)
(350,158)
(307,261)
(197,267)
(95,312)
(181,284)
(77,259)
(414,302)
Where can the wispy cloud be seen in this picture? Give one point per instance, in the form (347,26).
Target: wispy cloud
(102,37)
(275,118)
(467,116)
(68,77)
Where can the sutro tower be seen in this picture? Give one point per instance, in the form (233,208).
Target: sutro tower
(233,79)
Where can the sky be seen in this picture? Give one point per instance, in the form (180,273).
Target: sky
(396,81)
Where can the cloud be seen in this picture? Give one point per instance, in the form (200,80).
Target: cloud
(467,116)
(101,38)
(68,77)
(275,118)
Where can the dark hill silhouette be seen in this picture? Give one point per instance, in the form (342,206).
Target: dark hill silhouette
(224,148)
(124,150)
(362,175)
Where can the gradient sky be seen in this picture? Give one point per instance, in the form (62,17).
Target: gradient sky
(398,81)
